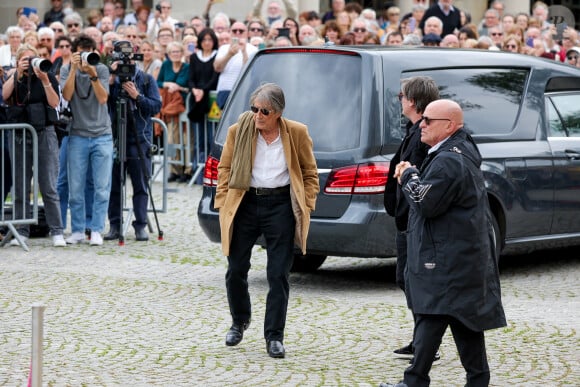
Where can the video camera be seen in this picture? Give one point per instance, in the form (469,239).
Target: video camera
(123,51)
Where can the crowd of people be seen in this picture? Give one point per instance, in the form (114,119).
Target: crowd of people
(188,59)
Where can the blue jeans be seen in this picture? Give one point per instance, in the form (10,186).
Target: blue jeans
(62,186)
(84,154)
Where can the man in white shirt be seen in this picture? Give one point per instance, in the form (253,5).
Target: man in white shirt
(230,60)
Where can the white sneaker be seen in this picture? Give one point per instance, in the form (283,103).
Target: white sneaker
(58,241)
(96,239)
(76,237)
(14,241)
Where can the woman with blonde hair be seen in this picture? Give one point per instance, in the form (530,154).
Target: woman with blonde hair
(512,43)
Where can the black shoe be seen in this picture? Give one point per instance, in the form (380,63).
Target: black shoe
(185,178)
(236,334)
(141,234)
(275,349)
(405,352)
(173,177)
(114,233)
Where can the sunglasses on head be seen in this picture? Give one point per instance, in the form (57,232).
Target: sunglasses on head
(255,109)
(428,120)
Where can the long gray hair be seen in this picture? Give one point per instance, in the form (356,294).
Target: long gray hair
(270,93)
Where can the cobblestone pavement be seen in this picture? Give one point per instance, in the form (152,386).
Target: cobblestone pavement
(155,314)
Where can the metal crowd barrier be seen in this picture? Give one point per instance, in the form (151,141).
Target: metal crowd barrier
(182,153)
(9,146)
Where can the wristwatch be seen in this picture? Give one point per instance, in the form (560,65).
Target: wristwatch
(94,79)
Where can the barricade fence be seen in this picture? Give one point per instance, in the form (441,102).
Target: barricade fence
(195,140)
(19,148)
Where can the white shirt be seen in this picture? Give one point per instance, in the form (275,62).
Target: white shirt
(233,68)
(269,169)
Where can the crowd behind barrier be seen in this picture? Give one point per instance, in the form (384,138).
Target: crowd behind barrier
(197,58)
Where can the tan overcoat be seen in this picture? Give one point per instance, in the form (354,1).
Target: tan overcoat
(304,185)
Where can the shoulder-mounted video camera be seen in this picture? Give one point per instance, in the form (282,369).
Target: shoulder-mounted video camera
(123,52)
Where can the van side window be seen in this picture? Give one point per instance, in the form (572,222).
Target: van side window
(490,98)
(564,115)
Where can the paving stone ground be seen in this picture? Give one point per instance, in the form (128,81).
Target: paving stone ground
(155,314)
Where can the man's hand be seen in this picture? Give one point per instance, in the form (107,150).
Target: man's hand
(130,89)
(400,168)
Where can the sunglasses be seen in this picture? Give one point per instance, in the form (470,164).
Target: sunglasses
(572,57)
(131,36)
(265,112)
(360,30)
(58,30)
(428,120)
(238,31)
(511,46)
(73,25)
(256,29)
(496,33)
(64,46)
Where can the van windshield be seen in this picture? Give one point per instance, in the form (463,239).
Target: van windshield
(323,92)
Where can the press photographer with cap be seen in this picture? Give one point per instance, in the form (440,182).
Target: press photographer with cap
(141,94)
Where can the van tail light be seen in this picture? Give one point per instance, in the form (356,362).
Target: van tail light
(210,173)
(368,178)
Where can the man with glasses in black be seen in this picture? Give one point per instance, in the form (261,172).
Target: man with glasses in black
(55,13)
(416,93)
(452,278)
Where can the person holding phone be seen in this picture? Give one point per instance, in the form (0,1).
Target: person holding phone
(230,60)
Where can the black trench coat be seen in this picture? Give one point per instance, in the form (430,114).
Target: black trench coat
(451,267)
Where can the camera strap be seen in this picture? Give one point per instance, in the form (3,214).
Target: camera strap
(15,83)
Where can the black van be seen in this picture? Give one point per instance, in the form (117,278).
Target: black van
(523,111)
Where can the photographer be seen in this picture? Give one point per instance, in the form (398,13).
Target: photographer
(139,90)
(85,84)
(33,96)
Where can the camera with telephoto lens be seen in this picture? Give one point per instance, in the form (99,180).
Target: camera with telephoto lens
(123,52)
(41,64)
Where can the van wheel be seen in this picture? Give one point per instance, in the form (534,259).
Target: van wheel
(307,263)
(496,237)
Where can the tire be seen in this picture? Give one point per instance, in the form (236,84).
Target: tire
(307,263)
(497,239)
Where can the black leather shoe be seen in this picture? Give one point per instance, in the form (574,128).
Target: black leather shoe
(173,177)
(276,349)
(185,178)
(141,234)
(114,233)
(236,334)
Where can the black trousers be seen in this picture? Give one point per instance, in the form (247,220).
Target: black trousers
(429,330)
(134,166)
(272,216)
